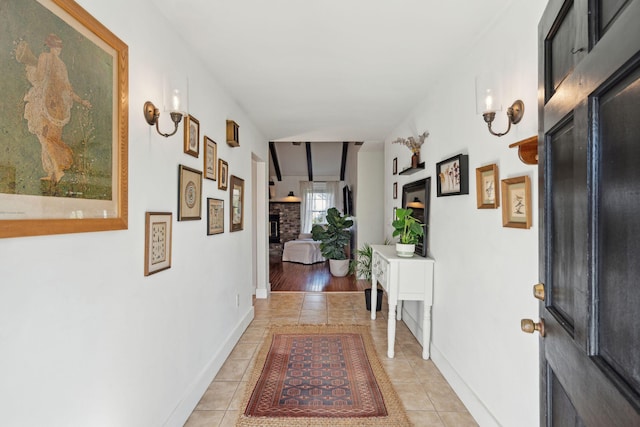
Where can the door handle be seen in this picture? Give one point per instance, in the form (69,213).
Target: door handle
(538,291)
(529,326)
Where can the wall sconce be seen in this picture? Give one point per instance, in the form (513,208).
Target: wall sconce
(152,114)
(291,194)
(488,101)
(514,114)
(172,100)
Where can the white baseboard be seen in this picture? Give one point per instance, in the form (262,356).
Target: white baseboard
(476,408)
(194,392)
(262,293)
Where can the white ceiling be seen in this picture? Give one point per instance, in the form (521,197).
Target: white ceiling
(330,70)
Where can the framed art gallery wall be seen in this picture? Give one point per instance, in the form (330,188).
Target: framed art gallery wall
(77,305)
(484,270)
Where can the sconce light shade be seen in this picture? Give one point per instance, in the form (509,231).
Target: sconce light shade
(291,194)
(489,101)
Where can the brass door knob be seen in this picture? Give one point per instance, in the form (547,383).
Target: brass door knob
(529,326)
(538,291)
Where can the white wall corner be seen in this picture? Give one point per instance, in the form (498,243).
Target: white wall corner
(476,408)
(194,392)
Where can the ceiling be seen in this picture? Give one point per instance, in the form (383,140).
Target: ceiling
(330,70)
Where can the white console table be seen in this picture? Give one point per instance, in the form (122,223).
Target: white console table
(402,278)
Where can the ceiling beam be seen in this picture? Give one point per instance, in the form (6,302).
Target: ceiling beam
(309,165)
(274,158)
(343,164)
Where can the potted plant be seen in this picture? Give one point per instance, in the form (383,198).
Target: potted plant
(409,229)
(364,257)
(334,237)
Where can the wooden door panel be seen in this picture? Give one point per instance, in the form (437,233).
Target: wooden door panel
(596,399)
(567,216)
(559,45)
(618,228)
(605,12)
(562,411)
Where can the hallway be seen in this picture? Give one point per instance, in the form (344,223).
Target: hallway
(426,395)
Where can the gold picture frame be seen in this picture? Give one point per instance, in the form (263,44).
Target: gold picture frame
(223,174)
(190,194)
(52,180)
(236,193)
(215,216)
(487,188)
(191,136)
(516,203)
(210,158)
(157,242)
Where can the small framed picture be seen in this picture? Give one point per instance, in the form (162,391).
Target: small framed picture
(157,242)
(189,193)
(487,189)
(395,190)
(191,136)
(236,190)
(210,158)
(453,176)
(223,174)
(516,206)
(395,166)
(215,216)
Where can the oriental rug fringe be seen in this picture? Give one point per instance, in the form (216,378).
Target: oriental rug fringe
(320,375)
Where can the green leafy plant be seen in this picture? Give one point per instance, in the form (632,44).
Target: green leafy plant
(363,261)
(335,236)
(409,229)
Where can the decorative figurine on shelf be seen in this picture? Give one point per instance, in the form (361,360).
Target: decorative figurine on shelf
(414,145)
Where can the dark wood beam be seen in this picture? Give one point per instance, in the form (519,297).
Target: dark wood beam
(343,164)
(274,158)
(309,166)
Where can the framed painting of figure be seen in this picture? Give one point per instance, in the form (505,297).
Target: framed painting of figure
(64,161)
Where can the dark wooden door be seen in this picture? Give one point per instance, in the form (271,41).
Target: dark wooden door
(589,169)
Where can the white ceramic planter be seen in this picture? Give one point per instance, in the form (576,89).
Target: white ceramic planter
(339,267)
(405,250)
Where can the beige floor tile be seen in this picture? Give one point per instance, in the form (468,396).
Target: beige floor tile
(218,396)
(229,419)
(421,387)
(243,351)
(457,419)
(236,400)
(413,397)
(205,419)
(445,399)
(400,371)
(232,370)
(425,419)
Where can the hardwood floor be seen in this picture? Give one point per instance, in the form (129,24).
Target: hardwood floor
(294,277)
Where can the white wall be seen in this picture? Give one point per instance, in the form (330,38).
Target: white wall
(484,272)
(85,338)
(369,201)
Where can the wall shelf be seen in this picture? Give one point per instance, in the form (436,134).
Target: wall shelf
(233,138)
(527,150)
(411,171)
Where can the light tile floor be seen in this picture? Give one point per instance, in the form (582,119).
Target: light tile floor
(426,395)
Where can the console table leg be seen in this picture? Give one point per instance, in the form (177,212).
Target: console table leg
(374,298)
(426,332)
(391,331)
(399,310)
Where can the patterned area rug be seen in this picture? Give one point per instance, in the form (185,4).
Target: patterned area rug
(319,375)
